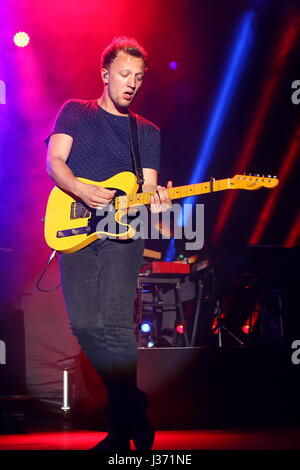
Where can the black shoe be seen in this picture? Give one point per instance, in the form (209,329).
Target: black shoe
(113,442)
(143,436)
(142,432)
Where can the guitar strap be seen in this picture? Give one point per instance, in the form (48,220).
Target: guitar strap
(135,149)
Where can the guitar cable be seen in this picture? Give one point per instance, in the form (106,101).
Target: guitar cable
(52,256)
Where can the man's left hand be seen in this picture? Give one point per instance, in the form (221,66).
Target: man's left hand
(160,201)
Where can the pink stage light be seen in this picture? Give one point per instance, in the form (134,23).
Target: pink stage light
(180,329)
(21,39)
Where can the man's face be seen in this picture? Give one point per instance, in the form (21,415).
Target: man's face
(124,79)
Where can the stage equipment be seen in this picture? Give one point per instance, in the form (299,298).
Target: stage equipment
(220,327)
(152,254)
(13,399)
(67,366)
(209,299)
(12,360)
(275,268)
(166,267)
(152,284)
(175,291)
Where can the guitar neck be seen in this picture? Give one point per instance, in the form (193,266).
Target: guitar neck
(174,193)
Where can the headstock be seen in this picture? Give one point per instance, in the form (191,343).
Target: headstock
(252,182)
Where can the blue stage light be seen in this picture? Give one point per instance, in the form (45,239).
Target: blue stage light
(146,327)
(229,81)
(171,251)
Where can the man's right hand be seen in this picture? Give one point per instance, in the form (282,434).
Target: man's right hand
(93,196)
(59,149)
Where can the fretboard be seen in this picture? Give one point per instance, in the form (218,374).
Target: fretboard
(122,202)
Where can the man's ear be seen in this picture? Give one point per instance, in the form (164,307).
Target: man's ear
(104,75)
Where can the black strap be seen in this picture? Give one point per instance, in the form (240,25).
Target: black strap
(135,149)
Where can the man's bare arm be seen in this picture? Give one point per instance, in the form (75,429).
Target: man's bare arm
(59,149)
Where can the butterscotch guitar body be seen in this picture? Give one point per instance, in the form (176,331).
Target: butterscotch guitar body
(68,222)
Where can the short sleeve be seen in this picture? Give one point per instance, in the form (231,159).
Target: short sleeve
(66,120)
(150,147)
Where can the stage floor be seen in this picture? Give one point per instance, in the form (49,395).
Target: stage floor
(263,439)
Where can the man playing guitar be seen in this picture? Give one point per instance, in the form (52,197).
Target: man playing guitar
(90,139)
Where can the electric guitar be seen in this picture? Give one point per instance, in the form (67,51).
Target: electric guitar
(71,225)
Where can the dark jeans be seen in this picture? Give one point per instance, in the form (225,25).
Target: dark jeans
(99,285)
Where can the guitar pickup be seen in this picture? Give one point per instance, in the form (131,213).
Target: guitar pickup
(73,231)
(79,211)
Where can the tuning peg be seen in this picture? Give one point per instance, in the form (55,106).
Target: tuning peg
(269,176)
(275,177)
(256,174)
(249,174)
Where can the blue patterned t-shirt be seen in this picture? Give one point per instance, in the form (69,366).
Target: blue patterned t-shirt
(101,140)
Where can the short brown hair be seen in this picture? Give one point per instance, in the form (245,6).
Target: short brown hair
(122,43)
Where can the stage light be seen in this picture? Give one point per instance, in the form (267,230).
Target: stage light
(294,234)
(246,329)
(171,251)
(173,65)
(250,322)
(289,160)
(278,60)
(146,327)
(21,39)
(229,82)
(180,329)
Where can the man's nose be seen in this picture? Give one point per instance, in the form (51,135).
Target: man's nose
(131,83)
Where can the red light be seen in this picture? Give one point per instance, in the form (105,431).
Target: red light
(215,324)
(289,160)
(246,329)
(294,234)
(250,322)
(180,328)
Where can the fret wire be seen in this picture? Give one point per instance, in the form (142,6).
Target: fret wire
(180,191)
